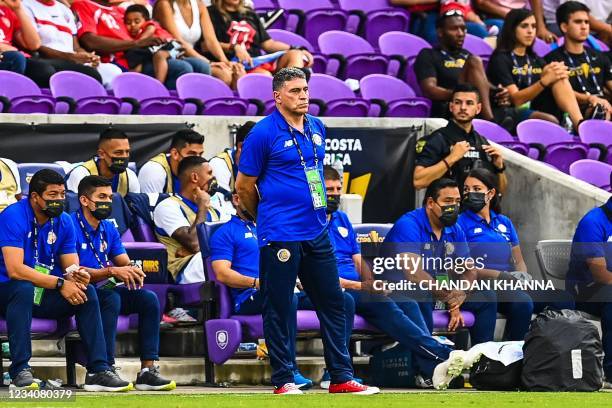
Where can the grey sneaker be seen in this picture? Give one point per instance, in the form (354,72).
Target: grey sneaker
(108,381)
(149,379)
(25,380)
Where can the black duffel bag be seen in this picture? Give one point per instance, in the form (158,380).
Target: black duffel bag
(562,352)
(491,375)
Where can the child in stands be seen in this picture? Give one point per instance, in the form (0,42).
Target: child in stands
(139,25)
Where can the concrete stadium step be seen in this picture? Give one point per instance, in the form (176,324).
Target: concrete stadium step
(190,370)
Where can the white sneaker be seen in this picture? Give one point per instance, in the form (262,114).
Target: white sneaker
(445,372)
(181,315)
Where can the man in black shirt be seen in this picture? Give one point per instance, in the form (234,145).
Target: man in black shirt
(454,150)
(590,71)
(440,69)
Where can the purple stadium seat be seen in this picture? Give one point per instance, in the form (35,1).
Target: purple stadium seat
(540,47)
(27,170)
(396,97)
(19,94)
(355,56)
(598,135)
(320,62)
(211,95)
(478,46)
(82,94)
(403,47)
(554,144)
(40,327)
(313,17)
(593,172)
(290,38)
(257,89)
(146,94)
(587,43)
(335,98)
(376,17)
(265,4)
(499,135)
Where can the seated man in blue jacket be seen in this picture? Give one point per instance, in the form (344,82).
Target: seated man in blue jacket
(119,284)
(400,320)
(590,273)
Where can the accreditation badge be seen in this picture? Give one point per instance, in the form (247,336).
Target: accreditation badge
(316,187)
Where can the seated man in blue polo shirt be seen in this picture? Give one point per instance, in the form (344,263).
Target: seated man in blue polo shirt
(119,284)
(235,260)
(590,273)
(429,234)
(38,244)
(401,320)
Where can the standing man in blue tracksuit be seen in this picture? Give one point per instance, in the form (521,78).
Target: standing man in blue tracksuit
(590,273)
(280,181)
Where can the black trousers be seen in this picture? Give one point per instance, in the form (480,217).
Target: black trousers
(40,70)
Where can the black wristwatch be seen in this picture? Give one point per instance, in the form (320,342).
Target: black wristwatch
(499,171)
(59,283)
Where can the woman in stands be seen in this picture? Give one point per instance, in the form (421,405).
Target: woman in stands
(533,85)
(243,37)
(492,236)
(189,23)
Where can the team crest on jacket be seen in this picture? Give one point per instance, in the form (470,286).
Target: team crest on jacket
(51,238)
(317,139)
(283,255)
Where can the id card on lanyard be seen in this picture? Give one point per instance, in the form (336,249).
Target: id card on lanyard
(38,266)
(313,176)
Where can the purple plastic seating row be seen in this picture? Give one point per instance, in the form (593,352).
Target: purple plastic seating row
(227,330)
(368,18)
(550,143)
(133,93)
(381,95)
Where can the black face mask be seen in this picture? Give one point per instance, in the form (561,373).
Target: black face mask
(118,164)
(474,201)
(449,214)
(103,210)
(333,202)
(53,208)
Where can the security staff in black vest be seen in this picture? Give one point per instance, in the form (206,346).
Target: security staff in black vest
(454,150)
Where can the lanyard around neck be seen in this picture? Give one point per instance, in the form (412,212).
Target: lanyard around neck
(297,145)
(89,240)
(35,236)
(581,80)
(529,74)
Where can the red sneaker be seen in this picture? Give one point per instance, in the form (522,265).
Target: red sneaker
(352,387)
(287,389)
